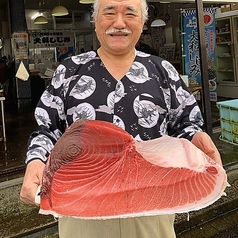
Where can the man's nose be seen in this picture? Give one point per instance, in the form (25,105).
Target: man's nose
(119,21)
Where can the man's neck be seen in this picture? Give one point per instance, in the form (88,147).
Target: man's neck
(117,58)
(117,64)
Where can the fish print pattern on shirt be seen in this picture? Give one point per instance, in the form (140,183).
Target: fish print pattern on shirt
(149,101)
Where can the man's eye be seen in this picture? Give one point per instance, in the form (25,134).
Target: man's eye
(131,14)
(109,13)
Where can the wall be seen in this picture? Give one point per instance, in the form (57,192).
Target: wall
(5,32)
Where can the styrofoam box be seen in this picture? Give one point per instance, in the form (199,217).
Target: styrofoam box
(229,137)
(229,120)
(229,110)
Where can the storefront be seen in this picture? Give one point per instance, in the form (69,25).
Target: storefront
(61,37)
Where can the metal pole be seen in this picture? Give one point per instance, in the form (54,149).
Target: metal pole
(204,68)
(182,42)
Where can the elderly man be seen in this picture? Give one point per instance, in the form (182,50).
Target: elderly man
(139,92)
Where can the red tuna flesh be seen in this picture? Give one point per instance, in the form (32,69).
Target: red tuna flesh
(97,171)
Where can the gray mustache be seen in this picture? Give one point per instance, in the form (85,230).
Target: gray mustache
(112,31)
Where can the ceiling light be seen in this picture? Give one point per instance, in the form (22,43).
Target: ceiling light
(40,20)
(59,11)
(158,23)
(92,20)
(39,17)
(1,43)
(145,28)
(86,1)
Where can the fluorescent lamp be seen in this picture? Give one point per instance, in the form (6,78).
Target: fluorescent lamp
(158,23)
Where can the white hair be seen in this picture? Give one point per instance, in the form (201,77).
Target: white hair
(144,10)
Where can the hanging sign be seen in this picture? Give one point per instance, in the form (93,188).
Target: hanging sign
(22,72)
(191,48)
(20,45)
(51,39)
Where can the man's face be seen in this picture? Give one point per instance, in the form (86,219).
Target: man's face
(114,15)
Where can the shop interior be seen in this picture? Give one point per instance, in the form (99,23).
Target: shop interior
(170,32)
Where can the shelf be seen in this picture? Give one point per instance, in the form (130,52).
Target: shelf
(225,70)
(226,51)
(224,43)
(223,33)
(228,56)
(227,83)
(224,81)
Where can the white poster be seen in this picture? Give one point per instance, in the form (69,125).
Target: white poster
(20,45)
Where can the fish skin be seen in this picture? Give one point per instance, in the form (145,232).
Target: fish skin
(98,171)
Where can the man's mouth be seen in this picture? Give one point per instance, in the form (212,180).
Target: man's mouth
(118,32)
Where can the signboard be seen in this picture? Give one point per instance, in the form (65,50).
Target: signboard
(20,45)
(51,39)
(191,48)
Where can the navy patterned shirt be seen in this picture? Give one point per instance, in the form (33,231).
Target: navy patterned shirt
(151,100)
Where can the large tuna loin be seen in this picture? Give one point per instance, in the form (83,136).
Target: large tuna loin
(97,171)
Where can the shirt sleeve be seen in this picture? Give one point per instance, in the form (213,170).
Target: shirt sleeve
(50,117)
(185,117)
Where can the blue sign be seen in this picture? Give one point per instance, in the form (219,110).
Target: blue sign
(191,48)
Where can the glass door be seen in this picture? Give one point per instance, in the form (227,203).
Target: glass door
(225,55)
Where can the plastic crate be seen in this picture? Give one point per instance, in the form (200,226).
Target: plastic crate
(229,120)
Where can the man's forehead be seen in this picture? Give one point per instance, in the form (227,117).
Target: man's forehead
(127,4)
(127,7)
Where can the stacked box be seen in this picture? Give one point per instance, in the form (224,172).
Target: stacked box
(225,8)
(234,6)
(229,120)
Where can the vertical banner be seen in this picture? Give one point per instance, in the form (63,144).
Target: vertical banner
(191,48)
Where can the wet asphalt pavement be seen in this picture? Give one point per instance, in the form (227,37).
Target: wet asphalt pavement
(220,221)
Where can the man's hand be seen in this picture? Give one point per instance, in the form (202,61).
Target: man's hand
(32,179)
(204,142)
